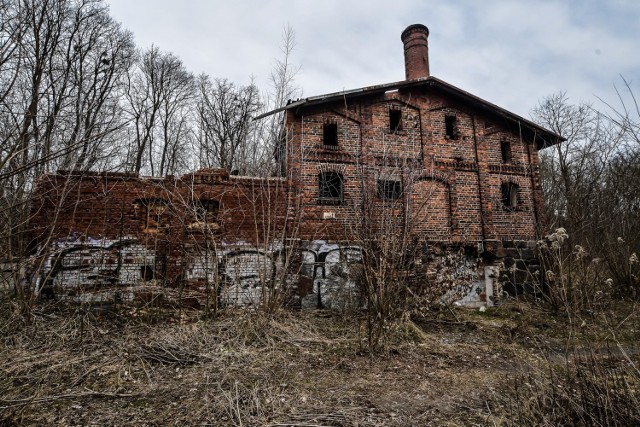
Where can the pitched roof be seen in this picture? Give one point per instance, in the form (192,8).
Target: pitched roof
(544,138)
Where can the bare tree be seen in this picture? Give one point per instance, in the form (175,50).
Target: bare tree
(158,98)
(61,68)
(573,169)
(591,181)
(269,135)
(225,113)
(100,55)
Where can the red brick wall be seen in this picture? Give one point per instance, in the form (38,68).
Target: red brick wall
(467,207)
(115,207)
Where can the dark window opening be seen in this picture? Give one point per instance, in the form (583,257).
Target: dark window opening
(146,272)
(207,210)
(330,186)
(330,134)
(509,192)
(450,127)
(505,150)
(389,190)
(395,120)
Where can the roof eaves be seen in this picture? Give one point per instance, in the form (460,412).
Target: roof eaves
(428,81)
(497,109)
(318,99)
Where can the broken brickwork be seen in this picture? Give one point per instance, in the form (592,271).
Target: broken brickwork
(101,229)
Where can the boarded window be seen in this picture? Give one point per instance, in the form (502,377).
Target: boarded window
(395,120)
(450,124)
(389,190)
(330,187)
(509,192)
(330,134)
(505,150)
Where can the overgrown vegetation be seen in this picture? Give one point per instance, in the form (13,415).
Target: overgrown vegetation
(591,376)
(511,365)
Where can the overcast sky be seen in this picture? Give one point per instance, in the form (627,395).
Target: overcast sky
(511,52)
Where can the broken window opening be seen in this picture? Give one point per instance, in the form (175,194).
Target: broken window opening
(146,272)
(330,135)
(450,127)
(395,120)
(207,210)
(509,192)
(156,209)
(389,190)
(330,187)
(505,150)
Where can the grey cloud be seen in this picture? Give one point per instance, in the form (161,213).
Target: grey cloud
(510,53)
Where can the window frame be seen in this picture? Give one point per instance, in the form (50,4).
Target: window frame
(451,126)
(330,135)
(207,210)
(506,154)
(330,187)
(389,189)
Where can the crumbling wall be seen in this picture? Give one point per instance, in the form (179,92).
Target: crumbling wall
(107,232)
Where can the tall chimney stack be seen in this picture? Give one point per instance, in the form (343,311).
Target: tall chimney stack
(416,51)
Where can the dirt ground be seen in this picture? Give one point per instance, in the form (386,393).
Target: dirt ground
(80,366)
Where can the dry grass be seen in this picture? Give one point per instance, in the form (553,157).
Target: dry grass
(82,367)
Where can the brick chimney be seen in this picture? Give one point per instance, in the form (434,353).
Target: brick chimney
(416,51)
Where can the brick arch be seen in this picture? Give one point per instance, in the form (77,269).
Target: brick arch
(434,175)
(430,208)
(331,167)
(522,196)
(513,179)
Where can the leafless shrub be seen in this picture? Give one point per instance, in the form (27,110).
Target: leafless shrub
(592,387)
(577,283)
(400,274)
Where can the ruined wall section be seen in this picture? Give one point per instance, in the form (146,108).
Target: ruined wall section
(95,230)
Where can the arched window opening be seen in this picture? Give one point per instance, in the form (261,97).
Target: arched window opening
(330,189)
(509,192)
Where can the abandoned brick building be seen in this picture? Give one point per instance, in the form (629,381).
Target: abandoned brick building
(419,158)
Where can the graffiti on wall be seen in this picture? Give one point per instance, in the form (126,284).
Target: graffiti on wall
(328,267)
(244,275)
(74,266)
(239,274)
